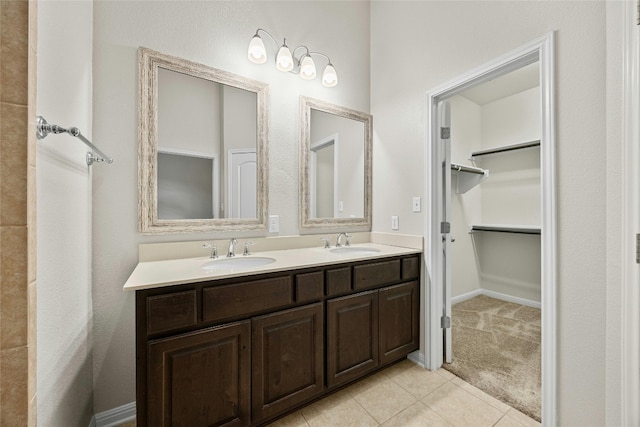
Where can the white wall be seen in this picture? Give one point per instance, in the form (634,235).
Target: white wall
(239,118)
(188,113)
(511,264)
(512,194)
(216,34)
(64,313)
(324,182)
(512,120)
(615,327)
(446,39)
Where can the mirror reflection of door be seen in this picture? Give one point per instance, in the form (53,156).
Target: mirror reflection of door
(324,178)
(187,185)
(241,193)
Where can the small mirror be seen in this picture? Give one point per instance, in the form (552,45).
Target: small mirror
(335,166)
(203,163)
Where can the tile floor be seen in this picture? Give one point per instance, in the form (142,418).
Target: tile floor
(406,395)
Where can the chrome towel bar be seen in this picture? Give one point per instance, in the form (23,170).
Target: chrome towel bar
(43,129)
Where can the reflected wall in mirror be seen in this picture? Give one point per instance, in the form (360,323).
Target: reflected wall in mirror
(203,147)
(335,166)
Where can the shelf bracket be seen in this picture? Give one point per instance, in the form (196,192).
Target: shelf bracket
(468,177)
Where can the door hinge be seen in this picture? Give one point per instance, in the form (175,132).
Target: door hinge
(638,248)
(445,133)
(445,227)
(445,322)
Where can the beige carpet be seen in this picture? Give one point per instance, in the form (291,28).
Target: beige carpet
(496,347)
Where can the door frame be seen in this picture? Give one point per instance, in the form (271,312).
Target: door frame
(443,117)
(543,50)
(630,293)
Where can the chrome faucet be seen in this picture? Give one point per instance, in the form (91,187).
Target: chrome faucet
(339,240)
(246,251)
(214,250)
(232,247)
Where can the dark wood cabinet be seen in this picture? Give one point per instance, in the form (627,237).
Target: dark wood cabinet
(352,337)
(201,378)
(399,308)
(288,359)
(245,350)
(371,329)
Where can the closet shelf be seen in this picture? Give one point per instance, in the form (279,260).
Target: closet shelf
(506,148)
(468,177)
(517,229)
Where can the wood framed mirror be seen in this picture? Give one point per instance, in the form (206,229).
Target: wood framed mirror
(202,160)
(335,166)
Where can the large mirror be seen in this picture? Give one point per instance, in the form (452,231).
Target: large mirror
(335,166)
(203,162)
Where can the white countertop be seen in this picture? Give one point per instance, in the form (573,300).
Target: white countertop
(155,274)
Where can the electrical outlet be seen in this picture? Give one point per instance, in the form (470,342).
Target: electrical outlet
(394,223)
(340,206)
(417,204)
(274,224)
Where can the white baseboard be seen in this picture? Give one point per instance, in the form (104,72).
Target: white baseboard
(496,295)
(114,417)
(466,296)
(417,358)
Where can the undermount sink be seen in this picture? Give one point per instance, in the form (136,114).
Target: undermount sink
(354,250)
(237,263)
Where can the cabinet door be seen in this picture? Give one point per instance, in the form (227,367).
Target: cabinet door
(201,378)
(288,359)
(352,337)
(399,321)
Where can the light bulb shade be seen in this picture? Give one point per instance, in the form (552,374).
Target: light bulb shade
(257,53)
(308,68)
(329,76)
(284,61)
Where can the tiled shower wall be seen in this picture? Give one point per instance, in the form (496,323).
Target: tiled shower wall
(17,213)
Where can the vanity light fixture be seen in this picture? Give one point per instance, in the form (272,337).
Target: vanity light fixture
(287,61)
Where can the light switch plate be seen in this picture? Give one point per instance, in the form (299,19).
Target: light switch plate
(394,223)
(417,205)
(274,224)
(340,206)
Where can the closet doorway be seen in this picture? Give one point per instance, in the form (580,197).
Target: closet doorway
(491,227)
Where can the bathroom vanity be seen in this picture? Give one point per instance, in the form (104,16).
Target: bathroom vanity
(242,348)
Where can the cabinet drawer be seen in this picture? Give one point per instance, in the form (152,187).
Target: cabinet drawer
(376,274)
(309,286)
(246,298)
(411,268)
(338,281)
(171,311)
